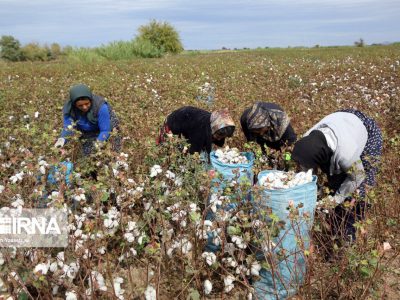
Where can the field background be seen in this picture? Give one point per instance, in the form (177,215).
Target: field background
(308,83)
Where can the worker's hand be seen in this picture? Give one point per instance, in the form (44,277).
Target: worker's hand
(60,143)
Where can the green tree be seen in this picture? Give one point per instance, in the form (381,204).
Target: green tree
(162,35)
(55,50)
(34,52)
(10,48)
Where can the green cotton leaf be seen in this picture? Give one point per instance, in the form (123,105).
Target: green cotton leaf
(287,156)
(274,217)
(104,197)
(193,295)
(23,296)
(195,216)
(373,262)
(366,272)
(232,230)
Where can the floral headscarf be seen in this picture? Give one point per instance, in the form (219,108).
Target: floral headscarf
(275,120)
(220,119)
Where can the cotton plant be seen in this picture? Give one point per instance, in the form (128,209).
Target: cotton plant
(111,220)
(181,244)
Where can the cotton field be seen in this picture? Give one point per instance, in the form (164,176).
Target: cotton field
(145,224)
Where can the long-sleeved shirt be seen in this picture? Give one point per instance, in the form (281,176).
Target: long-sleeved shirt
(194,125)
(102,128)
(346,136)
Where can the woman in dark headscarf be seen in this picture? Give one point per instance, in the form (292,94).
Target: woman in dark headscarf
(267,124)
(90,114)
(199,127)
(347,146)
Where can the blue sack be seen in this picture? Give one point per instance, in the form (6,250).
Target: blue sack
(240,173)
(230,172)
(288,273)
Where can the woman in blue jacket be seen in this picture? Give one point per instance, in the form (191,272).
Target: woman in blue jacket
(91,115)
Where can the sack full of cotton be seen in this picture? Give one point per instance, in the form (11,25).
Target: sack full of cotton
(235,172)
(233,166)
(281,192)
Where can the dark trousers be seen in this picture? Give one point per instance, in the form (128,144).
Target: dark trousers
(344,217)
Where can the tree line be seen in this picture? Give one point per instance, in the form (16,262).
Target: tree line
(153,40)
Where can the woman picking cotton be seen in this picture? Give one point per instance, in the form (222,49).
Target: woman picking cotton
(199,127)
(346,146)
(92,115)
(268,125)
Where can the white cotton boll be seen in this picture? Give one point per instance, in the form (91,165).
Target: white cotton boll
(186,247)
(228,283)
(219,153)
(117,287)
(42,169)
(36,114)
(71,270)
(18,202)
(193,207)
(150,293)
(230,262)
(170,251)
(242,270)
(155,170)
(131,226)
(71,295)
(239,242)
(208,223)
(129,237)
(60,258)
(98,280)
(53,267)
(54,290)
(255,268)
(42,268)
(207,286)
(101,250)
(209,257)
(78,233)
(169,174)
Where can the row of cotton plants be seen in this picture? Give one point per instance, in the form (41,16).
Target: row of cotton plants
(129,228)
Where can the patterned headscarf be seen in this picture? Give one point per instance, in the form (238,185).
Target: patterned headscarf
(275,120)
(220,119)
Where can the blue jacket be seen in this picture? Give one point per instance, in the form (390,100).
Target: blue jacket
(103,126)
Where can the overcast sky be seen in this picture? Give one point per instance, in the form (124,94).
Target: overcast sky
(204,24)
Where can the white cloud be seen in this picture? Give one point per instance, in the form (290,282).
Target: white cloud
(205,24)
